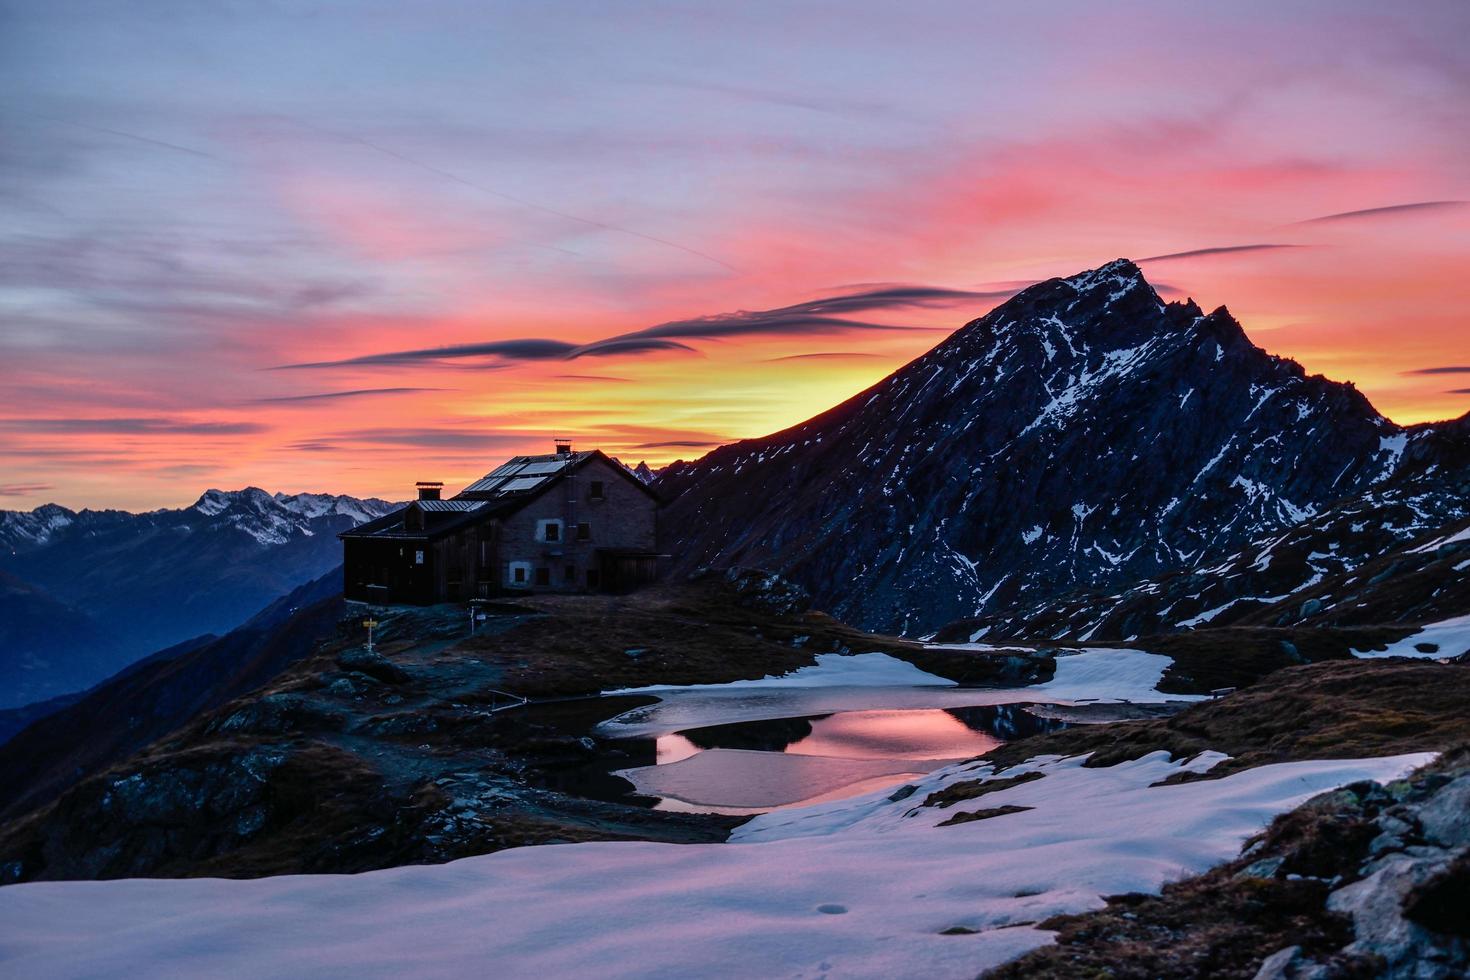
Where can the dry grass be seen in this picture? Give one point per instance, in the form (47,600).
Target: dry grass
(1334,710)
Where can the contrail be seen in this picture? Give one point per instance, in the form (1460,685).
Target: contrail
(125,135)
(523,202)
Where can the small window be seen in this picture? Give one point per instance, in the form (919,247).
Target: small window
(596,492)
(584,532)
(551,532)
(518,574)
(418,557)
(543,576)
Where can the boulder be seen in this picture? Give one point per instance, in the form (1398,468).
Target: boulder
(374,665)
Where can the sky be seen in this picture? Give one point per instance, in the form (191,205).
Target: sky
(346,246)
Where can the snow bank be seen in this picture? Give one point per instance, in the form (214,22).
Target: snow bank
(859,888)
(752,781)
(1451,638)
(830,670)
(1096,674)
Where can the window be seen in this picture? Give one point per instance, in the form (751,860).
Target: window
(596,492)
(584,532)
(518,574)
(418,557)
(549,530)
(543,576)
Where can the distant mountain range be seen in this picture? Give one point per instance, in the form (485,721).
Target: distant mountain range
(1083,435)
(84,593)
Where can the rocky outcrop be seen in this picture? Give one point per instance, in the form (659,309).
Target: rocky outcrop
(1366,881)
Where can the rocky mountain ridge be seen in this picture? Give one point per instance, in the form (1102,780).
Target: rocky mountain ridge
(1083,434)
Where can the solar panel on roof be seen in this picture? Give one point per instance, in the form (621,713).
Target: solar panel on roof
(540,469)
(485,484)
(450,505)
(522,483)
(506,469)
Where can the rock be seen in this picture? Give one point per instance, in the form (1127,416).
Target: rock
(1445,819)
(1383,844)
(283,712)
(1264,868)
(759,589)
(1375,904)
(1278,966)
(374,665)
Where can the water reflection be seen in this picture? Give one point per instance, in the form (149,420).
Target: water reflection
(762,765)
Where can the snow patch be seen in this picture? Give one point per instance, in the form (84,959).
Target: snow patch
(851,889)
(1450,638)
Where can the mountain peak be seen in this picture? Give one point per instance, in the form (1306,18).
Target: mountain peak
(1080,434)
(1119,273)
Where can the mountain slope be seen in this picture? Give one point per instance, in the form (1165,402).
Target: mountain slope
(147,700)
(47,647)
(1390,556)
(1084,433)
(123,585)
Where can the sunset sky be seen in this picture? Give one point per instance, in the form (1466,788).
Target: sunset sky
(237,235)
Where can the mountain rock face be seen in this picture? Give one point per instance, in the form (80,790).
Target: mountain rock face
(1083,434)
(94,590)
(1398,555)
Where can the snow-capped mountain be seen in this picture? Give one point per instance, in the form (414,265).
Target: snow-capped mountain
(1083,434)
(146,581)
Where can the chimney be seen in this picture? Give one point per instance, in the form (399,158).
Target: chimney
(563,446)
(430,490)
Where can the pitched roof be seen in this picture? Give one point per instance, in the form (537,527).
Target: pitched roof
(521,475)
(527,476)
(505,489)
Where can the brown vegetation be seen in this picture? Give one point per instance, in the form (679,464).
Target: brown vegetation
(1333,710)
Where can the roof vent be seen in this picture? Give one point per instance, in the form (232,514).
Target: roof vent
(563,446)
(430,489)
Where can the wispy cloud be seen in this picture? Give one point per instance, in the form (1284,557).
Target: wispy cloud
(519,349)
(23,489)
(132,427)
(813,317)
(437,437)
(676,444)
(1218,250)
(826,356)
(1443,369)
(355,393)
(521,201)
(1388,211)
